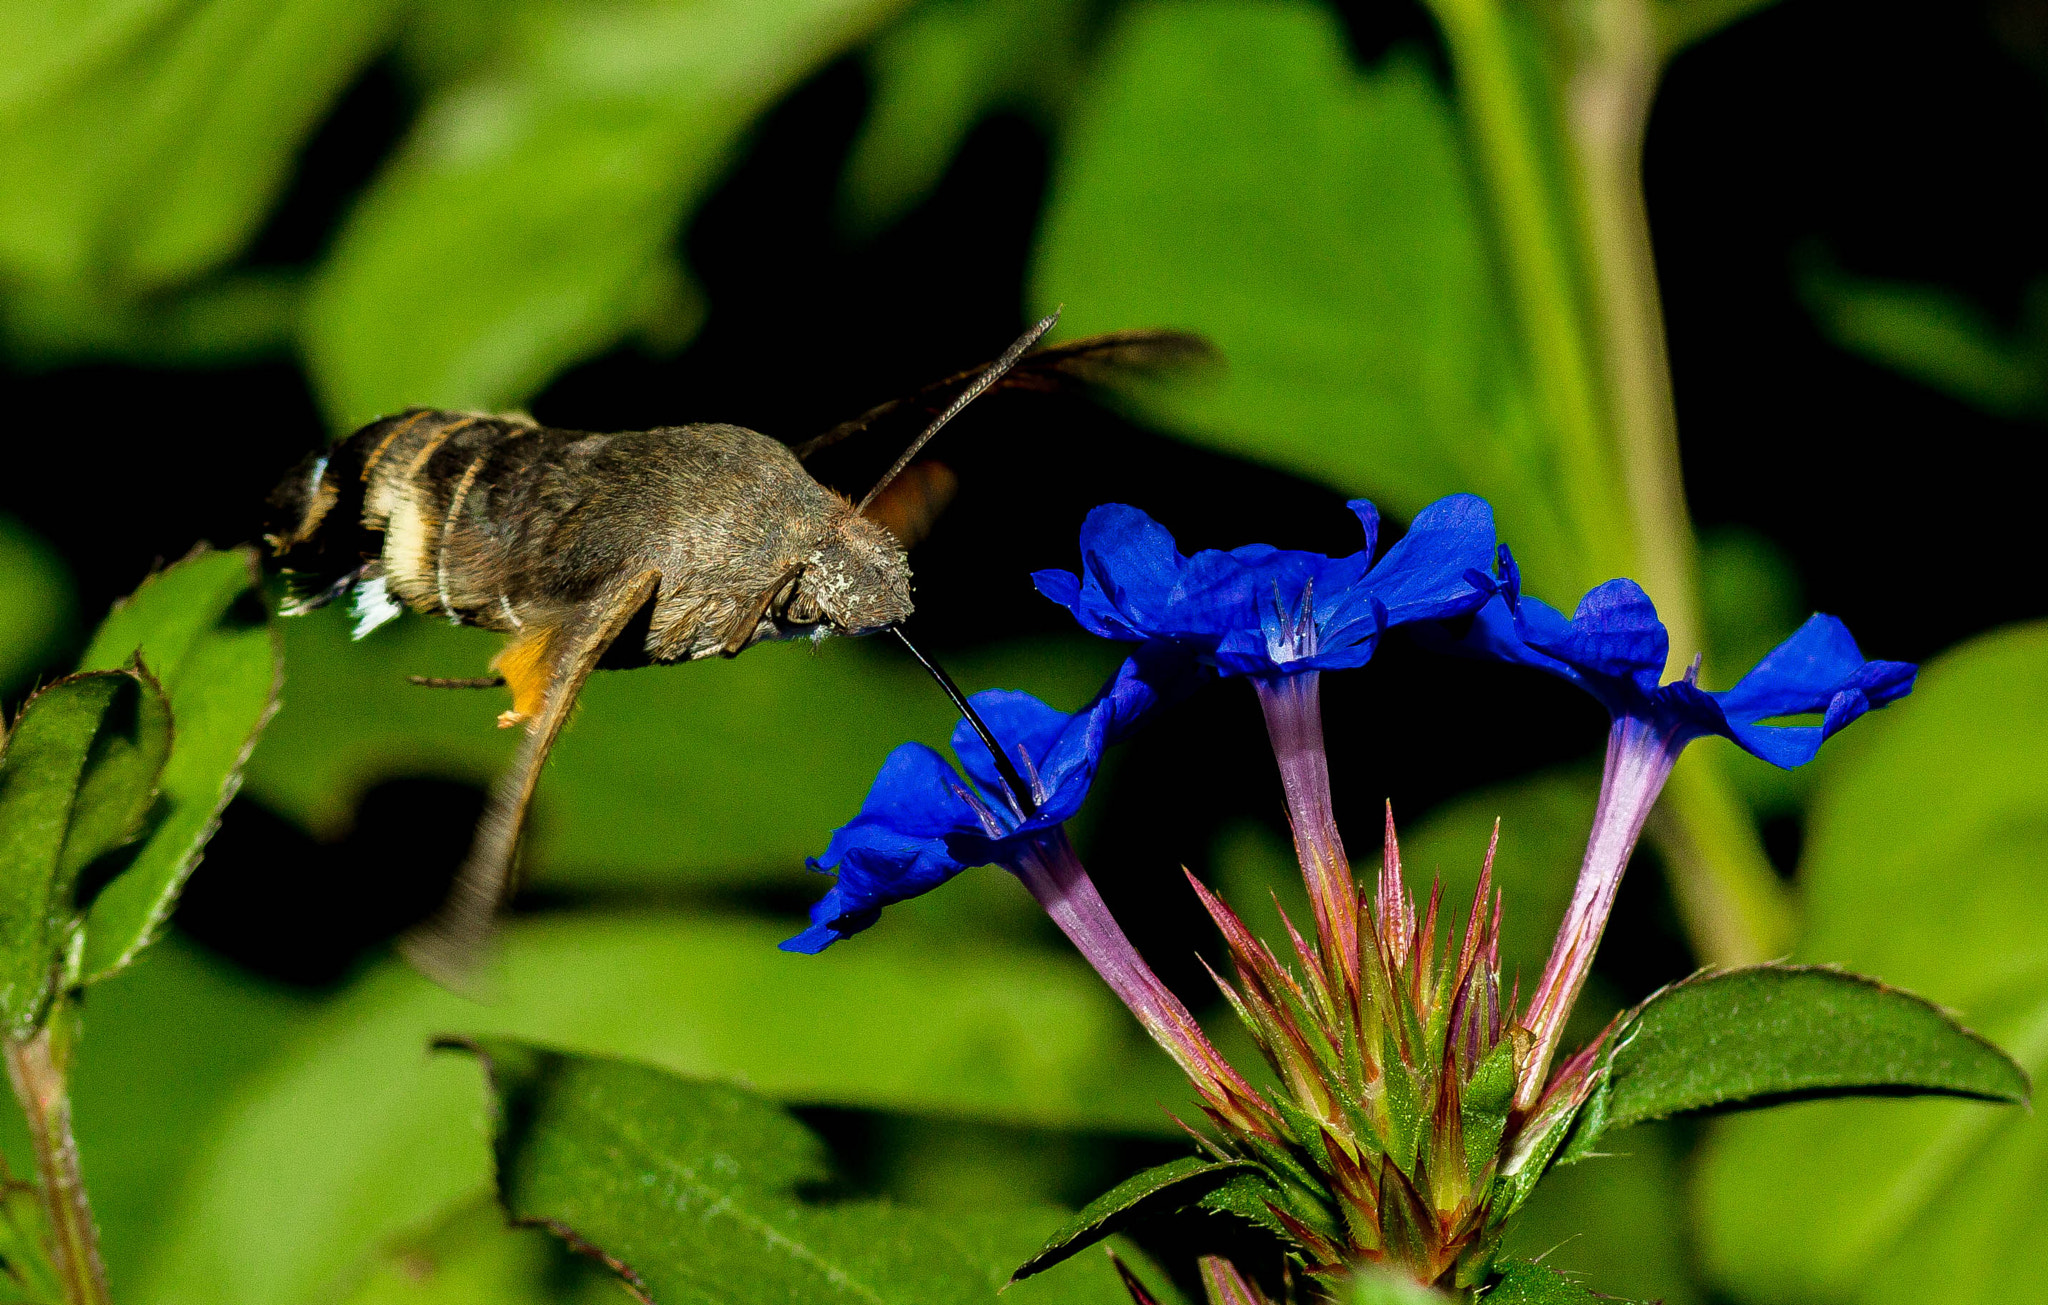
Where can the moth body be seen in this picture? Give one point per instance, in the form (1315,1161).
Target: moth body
(499,523)
(601,550)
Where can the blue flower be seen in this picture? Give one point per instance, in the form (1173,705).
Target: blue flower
(922,823)
(1264,611)
(1615,648)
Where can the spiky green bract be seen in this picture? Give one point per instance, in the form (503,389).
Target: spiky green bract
(1399,1141)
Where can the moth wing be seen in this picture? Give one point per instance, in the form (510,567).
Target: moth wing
(1094,360)
(911,505)
(447,947)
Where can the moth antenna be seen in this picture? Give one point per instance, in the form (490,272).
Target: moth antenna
(989,376)
(1019,791)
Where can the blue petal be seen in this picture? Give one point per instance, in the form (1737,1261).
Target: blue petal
(1129,567)
(1804,673)
(900,845)
(915,794)
(1260,610)
(1368,518)
(1819,669)
(1423,578)
(1614,639)
(1019,722)
(1063,587)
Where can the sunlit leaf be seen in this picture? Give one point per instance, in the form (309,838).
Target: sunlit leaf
(166,1044)
(475,1257)
(355,1135)
(1923,866)
(201,629)
(713,772)
(530,220)
(694,1189)
(78,771)
(148,141)
(1229,170)
(53,44)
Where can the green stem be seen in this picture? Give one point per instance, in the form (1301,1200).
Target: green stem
(74,1243)
(1502,113)
(1594,328)
(1734,908)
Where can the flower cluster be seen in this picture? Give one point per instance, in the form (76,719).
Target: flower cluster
(1417,1103)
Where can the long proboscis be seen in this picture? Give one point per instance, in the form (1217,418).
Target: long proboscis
(1019,790)
(989,376)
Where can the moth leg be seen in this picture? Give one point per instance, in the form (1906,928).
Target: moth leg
(437,682)
(446,948)
(526,665)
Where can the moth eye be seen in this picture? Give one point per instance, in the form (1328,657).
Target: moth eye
(804,610)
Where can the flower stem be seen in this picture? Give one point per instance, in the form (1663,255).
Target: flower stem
(1639,760)
(74,1243)
(1056,878)
(1734,910)
(1729,899)
(1293,706)
(1509,117)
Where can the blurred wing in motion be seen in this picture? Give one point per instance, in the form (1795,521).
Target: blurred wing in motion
(448,947)
(911,505)
(1096,360)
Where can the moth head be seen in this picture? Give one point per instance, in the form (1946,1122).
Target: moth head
(856,580)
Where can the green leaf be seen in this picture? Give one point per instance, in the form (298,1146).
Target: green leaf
(78,770)
(1251,1196)
(529,221)
(355,1136)
(1753,1037)
(1485,1104)
(751,764)
(948,64)
(1535,1284)
(201,628)
(692,1190)
(473,1257)
(1923,865)
(35,601)
(1171,1186)
(170,1042)
(149,141)
(1230,171)
(1937,338)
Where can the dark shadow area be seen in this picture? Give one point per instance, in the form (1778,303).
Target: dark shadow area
(293,908)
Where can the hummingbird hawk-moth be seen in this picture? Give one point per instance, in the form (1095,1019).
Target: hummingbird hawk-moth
(619,550)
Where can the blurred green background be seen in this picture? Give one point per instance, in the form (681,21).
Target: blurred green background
(232,229)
